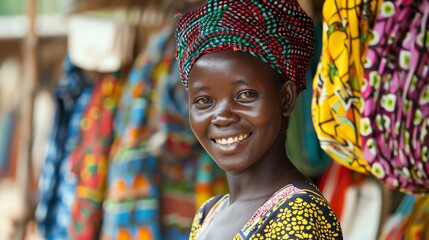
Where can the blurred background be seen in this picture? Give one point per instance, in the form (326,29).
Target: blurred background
(94,138)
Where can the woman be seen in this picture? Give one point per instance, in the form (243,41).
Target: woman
(243,63)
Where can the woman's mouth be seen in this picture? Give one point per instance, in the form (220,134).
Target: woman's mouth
(231,140)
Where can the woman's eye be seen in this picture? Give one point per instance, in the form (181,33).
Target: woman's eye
(203,101)
(246,95)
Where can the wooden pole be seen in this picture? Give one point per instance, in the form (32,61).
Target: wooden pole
(29,82)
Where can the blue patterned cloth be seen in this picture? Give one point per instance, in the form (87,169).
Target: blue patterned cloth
(57,184)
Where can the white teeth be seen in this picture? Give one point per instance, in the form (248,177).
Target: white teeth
(232,140)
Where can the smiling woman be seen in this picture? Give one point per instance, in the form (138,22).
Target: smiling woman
(243,63)
(234,96)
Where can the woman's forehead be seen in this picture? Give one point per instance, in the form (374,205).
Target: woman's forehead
(237,61)
(232,68)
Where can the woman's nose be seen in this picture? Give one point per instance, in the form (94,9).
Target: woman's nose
(225,115)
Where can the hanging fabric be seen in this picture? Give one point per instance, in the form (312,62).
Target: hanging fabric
(179,153)
(356,199)
(394,228)
(131,209)
(8,121)
(337,101)
(89,159)
(107,51)
(410,221)
(418,226)
(10,80)
(210,180)
(43,116)
(56,182)
(395,118)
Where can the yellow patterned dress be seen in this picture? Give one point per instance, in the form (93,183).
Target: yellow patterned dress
(294,212)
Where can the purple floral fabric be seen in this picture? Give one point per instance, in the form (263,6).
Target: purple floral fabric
(395,119)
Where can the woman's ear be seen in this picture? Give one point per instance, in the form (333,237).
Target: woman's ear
(288,97)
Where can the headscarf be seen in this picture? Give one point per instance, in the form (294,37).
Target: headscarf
(278,32)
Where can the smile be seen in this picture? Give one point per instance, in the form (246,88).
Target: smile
(231,140)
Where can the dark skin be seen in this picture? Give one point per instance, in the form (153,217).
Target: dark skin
(238,112)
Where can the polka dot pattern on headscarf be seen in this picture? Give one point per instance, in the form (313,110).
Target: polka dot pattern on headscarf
(278,32)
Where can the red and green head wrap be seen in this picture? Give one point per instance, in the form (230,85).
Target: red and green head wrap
(278,32)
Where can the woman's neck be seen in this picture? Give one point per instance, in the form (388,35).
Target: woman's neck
(262,180)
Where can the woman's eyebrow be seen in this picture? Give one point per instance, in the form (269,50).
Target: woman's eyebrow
(195,88)
(242,81)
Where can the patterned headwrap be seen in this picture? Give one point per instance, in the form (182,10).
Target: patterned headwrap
(278,32)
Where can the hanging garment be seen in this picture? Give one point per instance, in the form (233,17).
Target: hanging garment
(362,209)
(394,228)
(395,119)
(131,208)
(178,155)
(89,158)
(10,97)
(418,225)
(410,221)
(333,185)
(8,121)
(56,183)
(107,51)
(210,180)
(337,101)
(43,117)
(355,198)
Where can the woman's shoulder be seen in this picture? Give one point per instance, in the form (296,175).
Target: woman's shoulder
(307,197)
(305,214)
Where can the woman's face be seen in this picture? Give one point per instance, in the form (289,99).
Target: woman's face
(237,108)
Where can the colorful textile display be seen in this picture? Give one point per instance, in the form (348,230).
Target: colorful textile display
(395,226)
(178,155)
(89,159)
(284,40)
(394,127)
(56,182)
(210,180)
(410,221)
(337,101)
(131,208)
(419,220)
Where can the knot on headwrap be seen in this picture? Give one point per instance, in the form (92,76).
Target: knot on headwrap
(278,32)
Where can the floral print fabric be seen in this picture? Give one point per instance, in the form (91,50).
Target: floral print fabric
(291,213)
(395,119)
